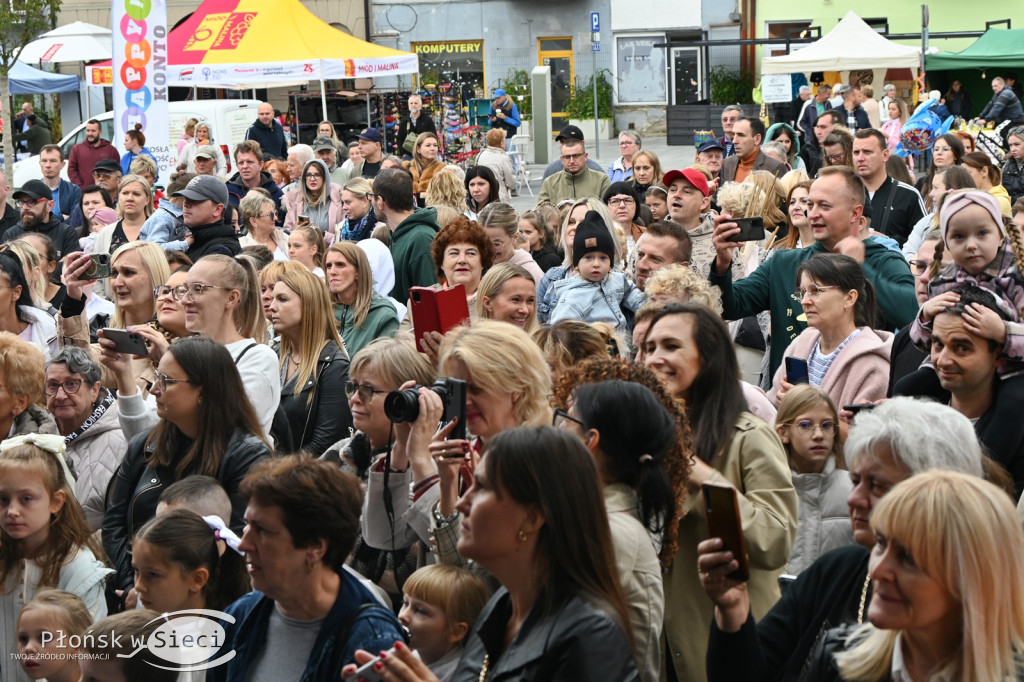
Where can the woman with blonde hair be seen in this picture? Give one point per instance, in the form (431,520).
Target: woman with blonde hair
(258,214)
(134,206)
(646,171)
(446,189)
(948,575)
(568,342)
(32,266)
(187,135)
(425,164)
(497,159)
(271,275)
(314,364)
(501,222)
(573,217)
(360,313)
(357,206)
(508,294)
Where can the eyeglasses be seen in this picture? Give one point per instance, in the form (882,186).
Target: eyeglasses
(162,290)
(621,201)
(572,157)
(314,175)
(942,149)
(807,427)
(835,158)
(265,215)
(812,293)
(69,385)
(162,380)
(20,203)
(919,267)
(364,391)
(626,143)
(194,291)
(563,415)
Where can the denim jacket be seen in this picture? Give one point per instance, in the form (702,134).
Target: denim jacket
(577,298)
(546,291)
(375,629)
(165,227)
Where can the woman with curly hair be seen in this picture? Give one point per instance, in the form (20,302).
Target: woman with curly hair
(644,465)
(446,189)
(679,283)
(462,253)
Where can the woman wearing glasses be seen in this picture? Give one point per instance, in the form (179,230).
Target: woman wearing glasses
(206,425)
(86,415)
(314,364)
(501,223)
(845,357)
(808,424)
(258,214)
(316,198)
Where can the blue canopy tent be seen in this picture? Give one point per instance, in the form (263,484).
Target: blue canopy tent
(28,80)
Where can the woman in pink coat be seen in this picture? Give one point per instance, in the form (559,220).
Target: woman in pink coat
(317,198)
(845,357)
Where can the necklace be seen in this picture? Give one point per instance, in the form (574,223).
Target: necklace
(483,669)
(291,359)
(860,611)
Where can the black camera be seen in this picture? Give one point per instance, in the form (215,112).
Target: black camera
(404,406)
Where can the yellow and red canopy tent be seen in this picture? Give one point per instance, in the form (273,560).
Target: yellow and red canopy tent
(232,43)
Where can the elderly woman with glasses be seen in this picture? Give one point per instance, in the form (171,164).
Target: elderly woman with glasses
(86,415)
(206,425)
(258,214)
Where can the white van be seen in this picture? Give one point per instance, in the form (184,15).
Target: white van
(228,118)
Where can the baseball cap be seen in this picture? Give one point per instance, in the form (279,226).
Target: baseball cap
(108,165)
(710,144)
(322,143)
(205,188)
(691,175)
(569,133)
(206,152)
(499,93)
(34,190)
(371,134)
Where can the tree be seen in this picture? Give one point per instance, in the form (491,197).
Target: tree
(20,22)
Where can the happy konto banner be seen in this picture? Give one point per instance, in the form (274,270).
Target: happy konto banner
(140,76)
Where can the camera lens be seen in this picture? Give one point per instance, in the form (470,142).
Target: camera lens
(402,406)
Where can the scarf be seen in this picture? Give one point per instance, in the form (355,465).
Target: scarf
(103,403)
(358,231)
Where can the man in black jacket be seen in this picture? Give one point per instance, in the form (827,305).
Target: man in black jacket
(205,198)
(249,162)
(268,133)
(35,201)
(9,217)
(895,206)
(418,121)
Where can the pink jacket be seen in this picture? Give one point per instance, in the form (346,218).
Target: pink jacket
(860,372)
(891,129)
(295,203)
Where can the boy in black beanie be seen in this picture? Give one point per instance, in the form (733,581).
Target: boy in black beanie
(595,292)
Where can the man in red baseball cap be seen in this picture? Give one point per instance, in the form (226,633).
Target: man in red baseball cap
(688,204)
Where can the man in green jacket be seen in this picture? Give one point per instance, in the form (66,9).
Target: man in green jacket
(837,206)
(36,136)
(576,180)
(412,231)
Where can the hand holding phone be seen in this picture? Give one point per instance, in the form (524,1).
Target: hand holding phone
(99,266)
(722,510)
(796,371)
(125,341)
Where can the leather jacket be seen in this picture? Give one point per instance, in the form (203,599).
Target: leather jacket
(136,488)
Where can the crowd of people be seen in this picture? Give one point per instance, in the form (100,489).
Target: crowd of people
(222,398)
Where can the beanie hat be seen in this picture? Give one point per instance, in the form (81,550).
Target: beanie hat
(957,201)
(592,234)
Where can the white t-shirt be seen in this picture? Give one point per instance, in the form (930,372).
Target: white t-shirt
(260,371)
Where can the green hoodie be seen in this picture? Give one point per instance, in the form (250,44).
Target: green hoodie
(410,250)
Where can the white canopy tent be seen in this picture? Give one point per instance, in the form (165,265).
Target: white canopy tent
(75,42)
(852,45)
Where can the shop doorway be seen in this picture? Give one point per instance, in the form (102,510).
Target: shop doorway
(687,84)
(557,53)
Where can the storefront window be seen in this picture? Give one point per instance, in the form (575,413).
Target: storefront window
(641,69)
(458,63)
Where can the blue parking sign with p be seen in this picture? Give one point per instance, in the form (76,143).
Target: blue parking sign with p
(595,21)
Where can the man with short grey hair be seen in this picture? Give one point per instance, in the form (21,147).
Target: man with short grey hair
(730,115)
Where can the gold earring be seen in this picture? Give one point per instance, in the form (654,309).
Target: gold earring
(522,535)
